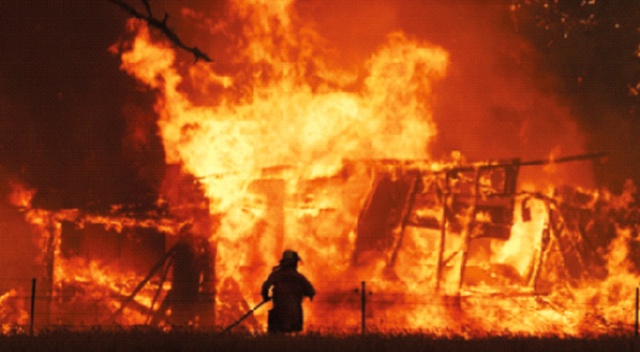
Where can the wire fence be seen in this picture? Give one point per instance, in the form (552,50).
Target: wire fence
(29,306)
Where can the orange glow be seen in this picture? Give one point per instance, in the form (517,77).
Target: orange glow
(13,315)
(289,153)
(263,150)
(96,282)
(21,196)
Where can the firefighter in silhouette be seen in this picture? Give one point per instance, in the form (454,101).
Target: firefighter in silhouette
(289,288)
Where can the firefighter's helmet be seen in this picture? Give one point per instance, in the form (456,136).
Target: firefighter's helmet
(290,257)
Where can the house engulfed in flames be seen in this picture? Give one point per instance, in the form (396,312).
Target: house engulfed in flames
(277,148)
(437,244)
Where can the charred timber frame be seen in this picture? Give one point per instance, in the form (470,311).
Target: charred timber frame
(470,225)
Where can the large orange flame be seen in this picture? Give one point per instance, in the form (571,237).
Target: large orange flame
(286,150)
(297,122)
(270,151)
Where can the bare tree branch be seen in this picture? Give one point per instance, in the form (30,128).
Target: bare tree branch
(162,26)
(148,7)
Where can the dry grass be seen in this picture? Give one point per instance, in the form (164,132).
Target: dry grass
(154,340)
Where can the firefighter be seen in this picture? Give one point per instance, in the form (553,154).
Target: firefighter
(289,288)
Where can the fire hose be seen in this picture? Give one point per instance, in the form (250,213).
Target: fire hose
(245,316)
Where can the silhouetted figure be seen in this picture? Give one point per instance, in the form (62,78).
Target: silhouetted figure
(289,288)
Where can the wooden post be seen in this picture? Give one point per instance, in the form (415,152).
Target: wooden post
(443,233)
(404,219)
(364,305)
(33,304)
(468,229)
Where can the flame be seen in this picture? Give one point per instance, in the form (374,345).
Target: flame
(81,284)
(286,150)
(272,150)
(21,196)
(13,314)
(296,121)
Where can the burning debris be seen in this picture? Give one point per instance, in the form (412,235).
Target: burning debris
(464,203)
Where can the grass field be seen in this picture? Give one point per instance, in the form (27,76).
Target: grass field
(150,340)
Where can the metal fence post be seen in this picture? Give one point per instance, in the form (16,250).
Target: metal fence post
(364,305)
(33,304)
(637,303)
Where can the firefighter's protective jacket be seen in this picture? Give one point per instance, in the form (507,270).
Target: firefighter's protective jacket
(289,288)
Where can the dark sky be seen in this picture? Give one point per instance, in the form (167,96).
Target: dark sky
(67,112)
(64,103)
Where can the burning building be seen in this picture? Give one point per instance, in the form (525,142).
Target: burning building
(441,240)
(275,147)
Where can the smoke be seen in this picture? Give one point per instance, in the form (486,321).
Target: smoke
(67,112)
